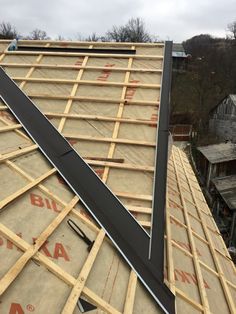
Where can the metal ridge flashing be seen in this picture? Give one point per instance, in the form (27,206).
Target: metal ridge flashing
(76,50)
(156,249)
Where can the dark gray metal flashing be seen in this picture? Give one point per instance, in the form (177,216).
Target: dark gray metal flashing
(127,235)
(156,252)
(77,50)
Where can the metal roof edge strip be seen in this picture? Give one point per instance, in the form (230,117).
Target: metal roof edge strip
(156,249)
(74,49)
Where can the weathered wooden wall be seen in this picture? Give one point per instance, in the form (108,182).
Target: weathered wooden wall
(223,120)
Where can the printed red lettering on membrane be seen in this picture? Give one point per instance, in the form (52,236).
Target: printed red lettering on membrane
(72,142)
(39,201)
(175,222)
(16,308)
(131,90)
(187,278)
(154,117)
(7,115)
(99,172)
(61,180)
(57,251)
(79,62)
(186,246)
(181,276)
(105,73)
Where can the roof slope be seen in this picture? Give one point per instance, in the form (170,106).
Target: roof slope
(227,189)
(233,97)
(105,114)
(217,153)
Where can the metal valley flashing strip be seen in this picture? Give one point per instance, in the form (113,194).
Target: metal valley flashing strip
(76,50)
(156,250)
(127,235)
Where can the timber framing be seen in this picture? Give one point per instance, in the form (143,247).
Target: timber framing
(118,223)
(198,268)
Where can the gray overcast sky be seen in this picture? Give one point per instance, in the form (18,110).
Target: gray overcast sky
(168,19)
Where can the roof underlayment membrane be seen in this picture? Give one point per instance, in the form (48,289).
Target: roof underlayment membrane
(107,107)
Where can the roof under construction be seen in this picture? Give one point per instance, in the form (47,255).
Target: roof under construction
(106,100)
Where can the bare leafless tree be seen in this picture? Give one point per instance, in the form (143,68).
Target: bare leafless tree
(8,31)
(231,28)
(133,31)
(38,34)
(60,38)
(92,37)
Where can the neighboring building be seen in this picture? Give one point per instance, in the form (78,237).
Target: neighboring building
(181,132)
(216,160)
(180,57)
(224,207)
(217,168)
(222,121)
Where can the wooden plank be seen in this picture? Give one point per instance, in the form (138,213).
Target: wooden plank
(73,93)
(16,269)
(108,140)
(54,197)
(26,188)
(76,67)
(225,288)
(18,152)
(129,303)
(200,281)
(87,43)
(81,54)
(80,282)
(99,118)
(97,99)
(22,134)
(10,127)
(91,296)
(120,166)
(189,300)
(169,251)
(84,82)
(32,68)
(55,269)
(141,197)
(130,295)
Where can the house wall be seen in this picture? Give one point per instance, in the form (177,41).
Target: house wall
(209,171)
(223,120)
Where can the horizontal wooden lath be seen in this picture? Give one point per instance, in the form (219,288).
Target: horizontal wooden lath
(97,55)
(76,67)
(85,82)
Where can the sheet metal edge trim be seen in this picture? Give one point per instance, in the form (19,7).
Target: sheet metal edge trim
(156,254)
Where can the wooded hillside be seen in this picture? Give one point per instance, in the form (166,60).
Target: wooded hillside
(210,76)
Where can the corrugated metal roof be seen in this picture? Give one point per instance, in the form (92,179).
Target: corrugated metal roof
(178,51)
(219,152)
(226,186)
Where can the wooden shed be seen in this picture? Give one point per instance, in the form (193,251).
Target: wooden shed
(222,120)
(108,107)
